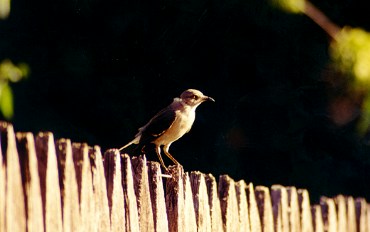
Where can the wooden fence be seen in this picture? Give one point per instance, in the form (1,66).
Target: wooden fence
(63,186)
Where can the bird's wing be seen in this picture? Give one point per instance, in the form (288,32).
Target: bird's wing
(158,125)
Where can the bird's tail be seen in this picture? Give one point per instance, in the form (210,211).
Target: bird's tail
(134,141)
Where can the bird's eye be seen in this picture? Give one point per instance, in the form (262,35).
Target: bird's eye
(195,97)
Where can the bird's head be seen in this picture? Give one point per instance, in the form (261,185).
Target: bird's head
(193,97)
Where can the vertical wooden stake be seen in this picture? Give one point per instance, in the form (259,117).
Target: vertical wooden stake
(351,214)
(317,218)
(15,212)
(141,184)
(305,211)
(69,189)
(175,199)
(201,204)
(31,181)
(229,205)
(265,208)
(113,175)
(361,207)
(329,214)
(132,217)
(100,189)
(214,204)
(241,197)
(49,180)
(85,189)
(340,202)
(279,197)
(157,197)
(294,215)
(254,215)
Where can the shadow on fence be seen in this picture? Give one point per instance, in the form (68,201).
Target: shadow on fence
(63,186)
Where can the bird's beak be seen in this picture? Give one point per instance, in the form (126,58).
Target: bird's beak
(206,98)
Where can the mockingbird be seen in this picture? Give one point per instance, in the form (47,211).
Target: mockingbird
(170,124)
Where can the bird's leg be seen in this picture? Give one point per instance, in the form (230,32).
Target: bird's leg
(158,151)
(165,150)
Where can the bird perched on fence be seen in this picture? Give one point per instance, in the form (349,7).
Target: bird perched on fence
(170,124)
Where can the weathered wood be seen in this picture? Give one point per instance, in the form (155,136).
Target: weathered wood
(361,207)
(279,197)
(132,217)
(305,210)
(49,181)
(317,218)
(294,215)
(69,189)
(214,204)
(351,215)
(329,214)
(113,175)
(341,204)
(265,208)
(241,197)
(254,216)
(201,204)
(189,216)
(30,181)
(15,210)
(141,184)
(157,197)
(175,199)
(100,189)
(2,187)
(81,160)
(229,205)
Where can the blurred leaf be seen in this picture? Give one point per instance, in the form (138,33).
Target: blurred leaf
(4,8)
(292,6)
(6,100)
(9,71)
(351,55)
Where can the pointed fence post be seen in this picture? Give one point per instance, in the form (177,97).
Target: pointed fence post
(229,205)
(49,180)
(294,215)
(253,210)
(351,214)
(175,202)
(14,199)
(141,184)
(100,189)
(265,208)
(157,197)
(69,188)
(85,188)
(132,217)
(305,211)
(201,204)
(317,218)
(113,176)
(214,204)
(241,197)
(31,181)
(279,197)
(329,214)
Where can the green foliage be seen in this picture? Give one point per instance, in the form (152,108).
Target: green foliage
(9,73)
(350,53)
(291,6)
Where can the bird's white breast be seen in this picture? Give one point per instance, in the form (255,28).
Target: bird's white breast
(184,120)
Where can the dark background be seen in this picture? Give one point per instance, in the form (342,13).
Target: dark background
(101,69)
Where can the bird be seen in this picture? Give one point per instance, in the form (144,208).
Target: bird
(170,124)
